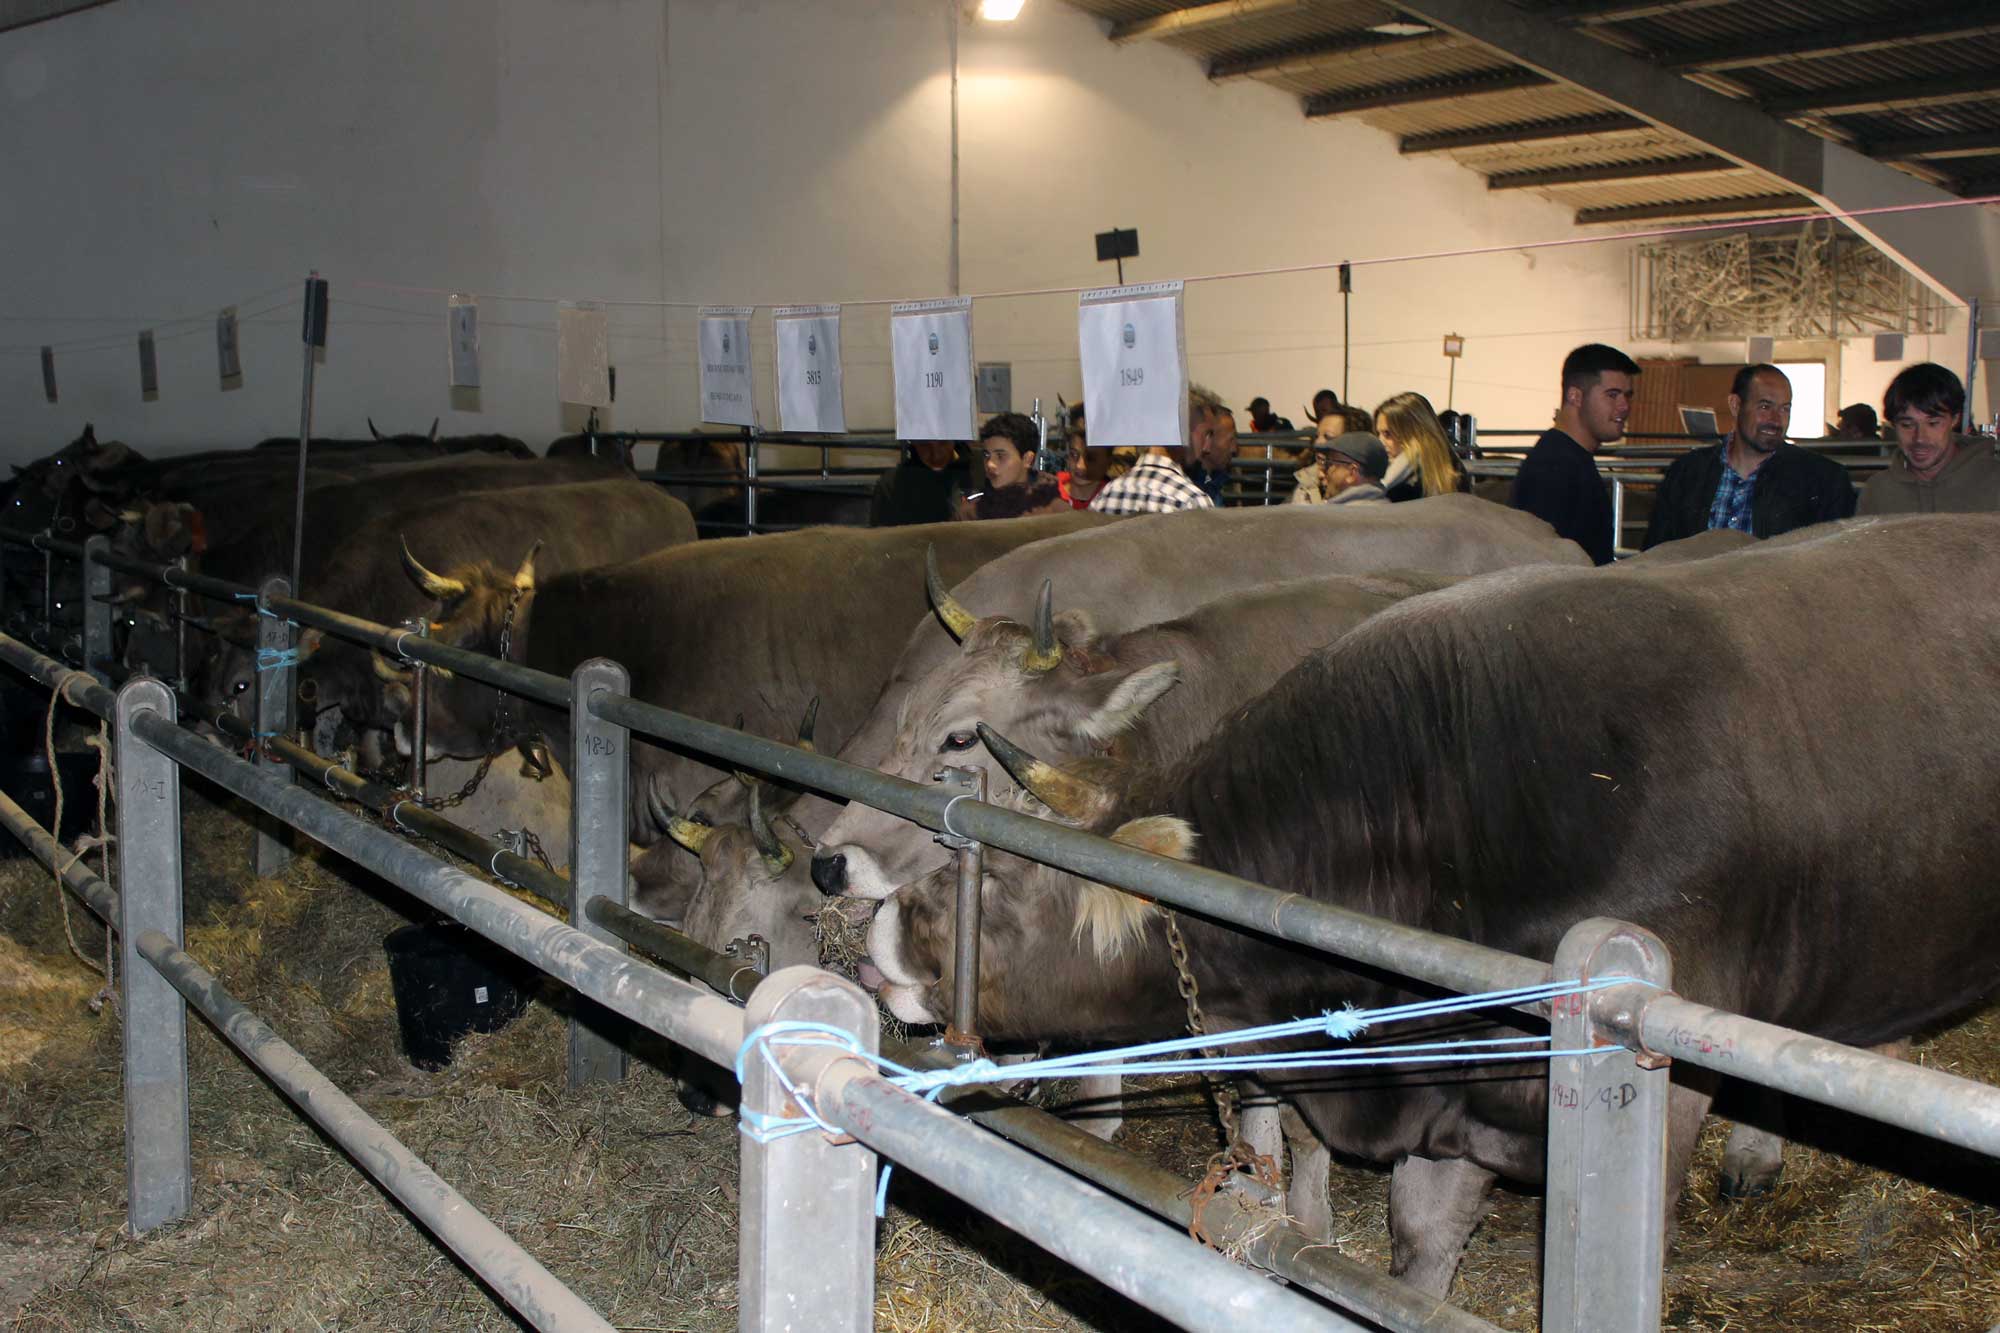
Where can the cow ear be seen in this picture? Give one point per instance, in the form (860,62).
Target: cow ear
(1162,835)
(1076,630)
(164,528)
(1117,698)
(309,643)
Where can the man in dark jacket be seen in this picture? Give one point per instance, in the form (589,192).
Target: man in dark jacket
(926,487)
(1558,481)
(1754,481)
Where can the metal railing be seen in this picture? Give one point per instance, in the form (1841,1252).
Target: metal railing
(1604,1241)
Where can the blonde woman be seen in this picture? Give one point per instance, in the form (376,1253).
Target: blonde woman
(1420,458)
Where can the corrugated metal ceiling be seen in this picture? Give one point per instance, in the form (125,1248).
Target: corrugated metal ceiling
(1927,72)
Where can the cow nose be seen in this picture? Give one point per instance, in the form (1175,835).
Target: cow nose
(830,873)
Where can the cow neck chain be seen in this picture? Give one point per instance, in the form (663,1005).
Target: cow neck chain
(1221,1089)
(494,743)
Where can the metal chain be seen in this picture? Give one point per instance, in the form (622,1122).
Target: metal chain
(1221,1089)
(465,793)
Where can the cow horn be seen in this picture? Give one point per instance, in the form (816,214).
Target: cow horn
(434,429)
(1046,655)
(777,856)
(957,620)
(688,834)
(385,669)
(433,585)
(683,831)
(1069,796)
(371,428)
(524,577)
(808,724)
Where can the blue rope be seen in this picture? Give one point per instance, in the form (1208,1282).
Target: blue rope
(276,659)
(1336,1025)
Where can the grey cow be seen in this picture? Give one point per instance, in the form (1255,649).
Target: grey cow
(1143,571)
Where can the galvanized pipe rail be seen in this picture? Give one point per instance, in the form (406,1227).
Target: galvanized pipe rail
(538,1295)
(404,812)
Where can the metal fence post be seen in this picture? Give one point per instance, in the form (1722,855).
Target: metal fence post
(1605,1219)
(48,593)
(97,607)
(806,1244)
(420,711)
(277,687)
(600,819)
(964,1030)
(750,480)
(181,673)
(159,1183)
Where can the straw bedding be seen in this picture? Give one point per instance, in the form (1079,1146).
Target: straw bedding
(632,1200)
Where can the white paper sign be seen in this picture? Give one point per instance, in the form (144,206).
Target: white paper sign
(583,355)
(227,357)
(462,342)
(931,345)
(1134,365)
(727,397)
(809,397)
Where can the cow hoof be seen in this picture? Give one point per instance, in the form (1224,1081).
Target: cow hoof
(700,1102)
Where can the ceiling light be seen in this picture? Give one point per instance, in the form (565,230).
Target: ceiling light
(1000,11)
(1399,28)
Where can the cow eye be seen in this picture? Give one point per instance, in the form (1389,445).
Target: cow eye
(241,686)
(959,740)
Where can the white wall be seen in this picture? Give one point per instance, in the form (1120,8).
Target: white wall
(164,160)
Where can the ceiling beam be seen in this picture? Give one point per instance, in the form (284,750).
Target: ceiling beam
(1194,18)
(1345,49)
(1555,177)
(21,13)
(1970,144)
(1525,131)
(1836,40)
(1697,208)
(1421,90)
(1955,250)
(1888,95)
(1590,13)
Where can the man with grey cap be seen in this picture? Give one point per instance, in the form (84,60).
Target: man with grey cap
(1349,471)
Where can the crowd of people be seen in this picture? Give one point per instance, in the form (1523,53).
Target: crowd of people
(1754,480)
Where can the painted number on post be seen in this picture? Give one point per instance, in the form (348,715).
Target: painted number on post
(599,745)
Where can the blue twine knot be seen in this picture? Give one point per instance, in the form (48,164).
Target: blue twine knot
(276,659)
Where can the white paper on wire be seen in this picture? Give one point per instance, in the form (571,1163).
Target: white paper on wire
(583,354)
(228,357)
(461,331)
(1134,352)
(930,343)
(809,393)
(727,395)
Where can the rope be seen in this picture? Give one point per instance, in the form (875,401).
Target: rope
(1145,1058)
(277,659)
(101,744)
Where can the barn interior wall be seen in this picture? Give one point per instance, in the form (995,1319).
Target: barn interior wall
(164,162)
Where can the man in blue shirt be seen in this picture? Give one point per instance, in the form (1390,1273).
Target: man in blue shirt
(1558,481)
(1755,481)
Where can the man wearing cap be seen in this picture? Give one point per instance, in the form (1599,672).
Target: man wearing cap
(1349,471)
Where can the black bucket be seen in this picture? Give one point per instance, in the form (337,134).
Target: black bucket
(450,983)
(24,769)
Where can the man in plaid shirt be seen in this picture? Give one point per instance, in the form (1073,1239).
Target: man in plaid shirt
(1158,483)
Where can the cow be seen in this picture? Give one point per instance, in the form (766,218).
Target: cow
(1778,760)
(1145,570)
(1064,690)
(750,627)
(573,526)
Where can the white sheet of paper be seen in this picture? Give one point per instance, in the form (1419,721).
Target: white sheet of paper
(227,357)
(583,354)
(462,342)
(1134,365)
(809,393)
(727,395)
(931,345)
